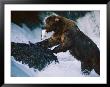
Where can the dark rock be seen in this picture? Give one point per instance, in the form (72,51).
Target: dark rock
(35,55)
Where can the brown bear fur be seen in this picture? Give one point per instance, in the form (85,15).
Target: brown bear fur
(68,37)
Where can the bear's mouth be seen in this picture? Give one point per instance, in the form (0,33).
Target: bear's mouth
(49,30)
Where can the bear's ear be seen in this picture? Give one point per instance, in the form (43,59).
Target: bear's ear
(57,19)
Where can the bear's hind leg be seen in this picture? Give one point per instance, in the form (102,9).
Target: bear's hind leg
(86,68)
(97,68)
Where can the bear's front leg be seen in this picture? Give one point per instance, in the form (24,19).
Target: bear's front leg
(60,48)
(48,43)
(65,44)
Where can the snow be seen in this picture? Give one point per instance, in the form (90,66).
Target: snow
(46,35)
(90,25)
(20,70)
(68,66)
(24,34)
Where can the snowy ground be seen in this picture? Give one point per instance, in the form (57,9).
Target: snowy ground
(68,66)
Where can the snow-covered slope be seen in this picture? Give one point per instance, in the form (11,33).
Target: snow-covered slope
(24,34)
(68,65)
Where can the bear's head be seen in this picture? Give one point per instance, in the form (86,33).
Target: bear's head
(54,23)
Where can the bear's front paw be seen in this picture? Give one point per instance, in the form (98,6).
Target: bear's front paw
(85,72)
(54,51)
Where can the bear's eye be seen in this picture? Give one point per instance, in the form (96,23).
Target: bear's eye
(47,21)
(50,23)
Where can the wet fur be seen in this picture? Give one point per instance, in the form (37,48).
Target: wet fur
(68,37)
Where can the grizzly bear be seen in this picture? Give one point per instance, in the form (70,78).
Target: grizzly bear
(68,36)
